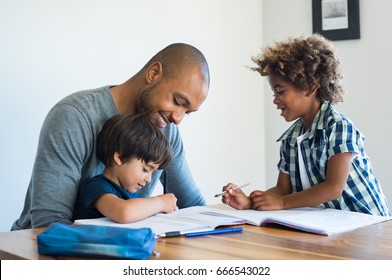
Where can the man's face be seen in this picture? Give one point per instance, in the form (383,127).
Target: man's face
(169,100)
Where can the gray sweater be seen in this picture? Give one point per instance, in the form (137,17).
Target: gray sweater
(66,159)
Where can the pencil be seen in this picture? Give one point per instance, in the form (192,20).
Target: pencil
(236,188)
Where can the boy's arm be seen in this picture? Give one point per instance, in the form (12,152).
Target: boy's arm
(272,199)
(337,173)
(283,185)
(134,209)
(280,197)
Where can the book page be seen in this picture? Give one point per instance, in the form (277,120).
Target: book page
(323,221)
(158,225)
(318,220)
(331,221)
(184,220)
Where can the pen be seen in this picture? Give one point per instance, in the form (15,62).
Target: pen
(217,231)
(170,234)
(236,188)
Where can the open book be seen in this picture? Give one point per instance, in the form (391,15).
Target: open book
(324,221)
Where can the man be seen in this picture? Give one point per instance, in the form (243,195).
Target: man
(173,83)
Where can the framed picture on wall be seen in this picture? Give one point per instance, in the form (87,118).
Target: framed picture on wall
(336,19)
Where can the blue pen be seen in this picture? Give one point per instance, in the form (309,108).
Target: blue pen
(217,231)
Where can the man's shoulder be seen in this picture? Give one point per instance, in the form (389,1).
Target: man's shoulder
(86,97)
(92,104)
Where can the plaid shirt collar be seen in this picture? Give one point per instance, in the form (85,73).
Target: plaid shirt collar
(319,123)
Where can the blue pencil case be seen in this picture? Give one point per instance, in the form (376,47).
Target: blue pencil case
(96,241)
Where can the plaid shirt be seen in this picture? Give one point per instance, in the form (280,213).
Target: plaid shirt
(332,133)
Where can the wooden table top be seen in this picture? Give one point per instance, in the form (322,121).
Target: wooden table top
(269,243)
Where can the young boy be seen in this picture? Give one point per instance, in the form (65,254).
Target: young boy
(131,147)
(322,156)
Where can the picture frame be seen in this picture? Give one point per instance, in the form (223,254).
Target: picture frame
(336,19)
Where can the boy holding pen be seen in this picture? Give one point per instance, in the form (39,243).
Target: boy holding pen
(131,147)
(322,157)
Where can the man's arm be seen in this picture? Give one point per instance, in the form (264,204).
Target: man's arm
(179,177)
(64,145)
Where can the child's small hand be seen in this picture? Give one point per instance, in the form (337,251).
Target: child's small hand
(236,198)
(266,201)
(169,202)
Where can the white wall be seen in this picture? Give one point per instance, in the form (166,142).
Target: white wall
(367,74)
(50,49)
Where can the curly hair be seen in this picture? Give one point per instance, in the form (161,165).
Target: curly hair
(307,62)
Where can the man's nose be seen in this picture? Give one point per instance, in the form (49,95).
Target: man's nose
(177,117)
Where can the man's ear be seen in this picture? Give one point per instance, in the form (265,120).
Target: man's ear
(154,72)
(116,158)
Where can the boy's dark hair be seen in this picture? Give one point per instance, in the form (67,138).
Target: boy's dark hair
(307,62)
(132,136)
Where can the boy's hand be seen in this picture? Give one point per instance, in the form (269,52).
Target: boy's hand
(236,198)
(266,201)
(169,202)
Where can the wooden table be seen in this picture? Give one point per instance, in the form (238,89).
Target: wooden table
(270,243)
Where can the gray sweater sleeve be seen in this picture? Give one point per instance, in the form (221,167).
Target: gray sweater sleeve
(180,181)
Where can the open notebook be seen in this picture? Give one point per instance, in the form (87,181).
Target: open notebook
(322,221)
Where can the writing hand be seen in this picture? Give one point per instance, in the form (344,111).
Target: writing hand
(169,202)
(235,198)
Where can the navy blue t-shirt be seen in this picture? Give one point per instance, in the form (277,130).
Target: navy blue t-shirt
(93,189)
